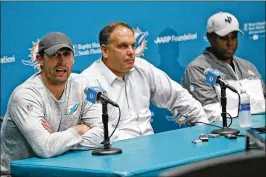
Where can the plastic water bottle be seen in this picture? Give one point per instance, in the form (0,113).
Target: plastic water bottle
(245,119)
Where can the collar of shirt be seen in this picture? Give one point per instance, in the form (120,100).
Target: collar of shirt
(109,76)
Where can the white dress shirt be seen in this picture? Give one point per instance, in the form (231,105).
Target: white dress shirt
(142,84)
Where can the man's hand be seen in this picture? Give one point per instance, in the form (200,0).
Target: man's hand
(46,125)
(81,129)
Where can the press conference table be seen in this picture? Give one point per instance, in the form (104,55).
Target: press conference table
(142,156)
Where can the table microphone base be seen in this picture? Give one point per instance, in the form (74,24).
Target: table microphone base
(108,151)
(226,131)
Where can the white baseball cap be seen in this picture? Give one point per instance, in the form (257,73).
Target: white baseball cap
(222,23)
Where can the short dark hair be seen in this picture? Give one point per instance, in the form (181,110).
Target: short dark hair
(41,53)
(107,30)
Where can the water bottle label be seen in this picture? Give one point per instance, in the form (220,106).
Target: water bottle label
(245,107)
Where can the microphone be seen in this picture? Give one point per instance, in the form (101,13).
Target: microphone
(95,94)
(213,76)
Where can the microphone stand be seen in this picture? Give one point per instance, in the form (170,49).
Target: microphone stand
(225,130)
(107,150)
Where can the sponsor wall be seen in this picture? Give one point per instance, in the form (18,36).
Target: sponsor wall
(168,34)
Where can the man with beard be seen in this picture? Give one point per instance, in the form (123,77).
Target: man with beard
(222,33)
(45,114)
(133,82)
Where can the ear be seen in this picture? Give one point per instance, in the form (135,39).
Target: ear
(104,50)
(39,59)
(211,37)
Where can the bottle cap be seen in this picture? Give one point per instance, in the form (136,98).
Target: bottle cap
(242,90)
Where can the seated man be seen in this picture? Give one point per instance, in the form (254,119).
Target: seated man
(133,82)
(45,114)
(222,33)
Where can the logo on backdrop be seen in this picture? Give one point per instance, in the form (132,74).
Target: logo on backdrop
(255,30)
(175,38)
(33,52)
(140,41)
(92,48)
(8,59)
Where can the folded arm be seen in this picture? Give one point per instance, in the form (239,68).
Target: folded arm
(92,116)
(27,113)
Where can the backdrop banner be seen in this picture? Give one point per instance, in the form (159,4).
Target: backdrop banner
(169,35)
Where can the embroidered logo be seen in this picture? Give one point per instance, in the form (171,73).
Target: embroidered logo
(72,109)
(29,107)
(228,19)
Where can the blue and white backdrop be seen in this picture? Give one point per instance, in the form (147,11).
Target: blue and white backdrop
(169,35)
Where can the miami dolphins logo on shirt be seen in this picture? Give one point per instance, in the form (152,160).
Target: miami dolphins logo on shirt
(72,109)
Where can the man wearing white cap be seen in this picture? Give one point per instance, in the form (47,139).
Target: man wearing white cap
(45,114)
(222,33)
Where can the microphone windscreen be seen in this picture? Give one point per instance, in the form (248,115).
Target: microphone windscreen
(92,93)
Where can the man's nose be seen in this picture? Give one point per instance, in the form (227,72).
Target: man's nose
(131,50)
(229,42)
(61,58)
